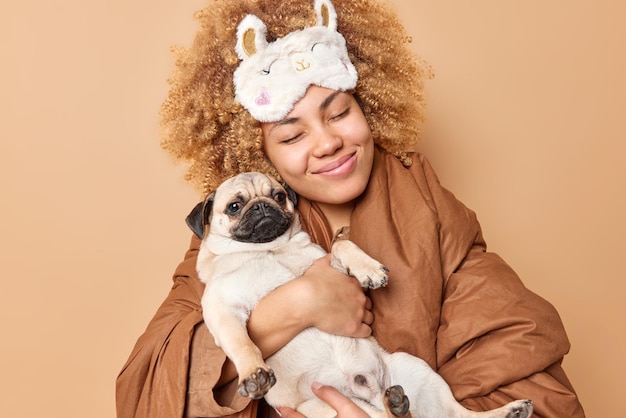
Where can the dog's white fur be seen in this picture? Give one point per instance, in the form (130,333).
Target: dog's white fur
(238,274)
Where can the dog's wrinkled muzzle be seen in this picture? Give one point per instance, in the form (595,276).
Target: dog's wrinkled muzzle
(262,222)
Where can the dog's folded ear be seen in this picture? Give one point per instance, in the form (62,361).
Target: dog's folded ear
(199,216)
(291,194)
(195,220)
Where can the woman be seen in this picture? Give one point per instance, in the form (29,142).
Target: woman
(346,149)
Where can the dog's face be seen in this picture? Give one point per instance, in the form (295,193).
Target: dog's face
(250,207)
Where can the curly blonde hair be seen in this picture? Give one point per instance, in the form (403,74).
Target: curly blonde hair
(205,127)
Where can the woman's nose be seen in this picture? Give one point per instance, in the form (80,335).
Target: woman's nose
(327,142)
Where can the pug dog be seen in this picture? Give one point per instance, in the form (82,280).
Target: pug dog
(252,242)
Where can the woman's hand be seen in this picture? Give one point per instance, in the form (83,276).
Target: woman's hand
(345,407)
(333,302)
(323,298)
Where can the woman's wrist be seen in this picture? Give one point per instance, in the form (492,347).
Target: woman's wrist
(301,303)
(279,317)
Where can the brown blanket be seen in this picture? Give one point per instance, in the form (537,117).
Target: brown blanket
(449,301)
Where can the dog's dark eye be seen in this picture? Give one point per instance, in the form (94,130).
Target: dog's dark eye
(233,208)
(280,198)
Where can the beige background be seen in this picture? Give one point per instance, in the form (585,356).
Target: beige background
(526,126)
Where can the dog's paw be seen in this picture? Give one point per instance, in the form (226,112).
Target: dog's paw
(396,401)
(350,259)
(370,273)
(257,384)
(520,409)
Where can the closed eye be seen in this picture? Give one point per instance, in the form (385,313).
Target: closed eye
(341,115)
(290,140)
(267,70)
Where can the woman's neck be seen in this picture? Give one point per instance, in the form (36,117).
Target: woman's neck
(338,216)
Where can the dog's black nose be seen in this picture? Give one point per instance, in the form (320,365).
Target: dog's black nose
(262,208)
(262,222)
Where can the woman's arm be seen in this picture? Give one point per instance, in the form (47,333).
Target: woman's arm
(175,365)
(323,298)
(497,341)
(153,380)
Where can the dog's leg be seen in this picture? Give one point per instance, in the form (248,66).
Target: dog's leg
(348,258)
(430,395)
(229,331)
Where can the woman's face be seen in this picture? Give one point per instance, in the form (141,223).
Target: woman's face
(323,148)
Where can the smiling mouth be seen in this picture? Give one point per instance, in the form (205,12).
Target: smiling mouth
(336,165)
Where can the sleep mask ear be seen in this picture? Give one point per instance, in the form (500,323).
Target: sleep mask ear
(272,77)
